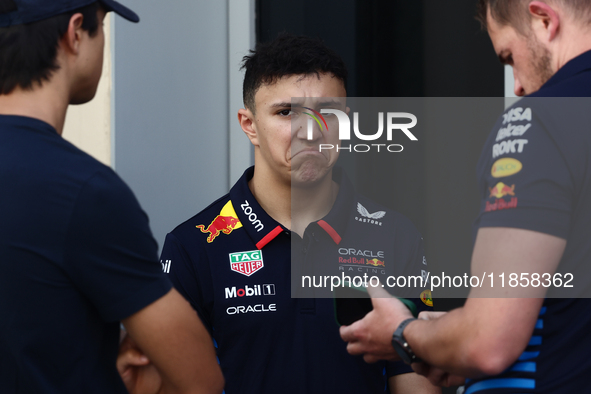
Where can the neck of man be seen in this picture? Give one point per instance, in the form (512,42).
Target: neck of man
(574,42)
(47,102)
(293,207)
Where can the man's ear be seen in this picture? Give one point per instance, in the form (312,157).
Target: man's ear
(71,40)
(246,120)
(545,21)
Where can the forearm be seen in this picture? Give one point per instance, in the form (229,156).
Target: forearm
(178,345)
(478,339)
(488,334)
(447,344)
(411,383)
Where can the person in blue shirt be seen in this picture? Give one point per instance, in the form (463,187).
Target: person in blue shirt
(534,224)
(77,253)
(235,260)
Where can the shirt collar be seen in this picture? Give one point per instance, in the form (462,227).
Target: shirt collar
(34,124)
(260,227)
(570,69)
(336,221)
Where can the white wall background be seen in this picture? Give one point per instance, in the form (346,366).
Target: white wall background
(165,112)
(175,138)
(88,126)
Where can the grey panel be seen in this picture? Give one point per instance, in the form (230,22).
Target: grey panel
(171,107)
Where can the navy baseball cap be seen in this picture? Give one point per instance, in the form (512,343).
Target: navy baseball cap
(19,12)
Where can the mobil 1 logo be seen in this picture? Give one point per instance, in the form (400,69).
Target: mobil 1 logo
(249,291)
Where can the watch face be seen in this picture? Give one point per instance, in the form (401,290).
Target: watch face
(399,347)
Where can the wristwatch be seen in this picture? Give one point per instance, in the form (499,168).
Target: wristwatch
(401,345)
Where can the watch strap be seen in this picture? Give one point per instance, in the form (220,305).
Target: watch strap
(401,345)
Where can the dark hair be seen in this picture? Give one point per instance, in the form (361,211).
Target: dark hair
(29,52)
(504,12)
(515,12)
(287,55)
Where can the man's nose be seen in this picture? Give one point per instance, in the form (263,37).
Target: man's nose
(518,88)
(311,130)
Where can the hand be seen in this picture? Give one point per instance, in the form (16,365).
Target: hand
(372,335)
(426,315)
(137,372)
(436,376)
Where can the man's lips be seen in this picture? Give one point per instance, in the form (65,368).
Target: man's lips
(313,150)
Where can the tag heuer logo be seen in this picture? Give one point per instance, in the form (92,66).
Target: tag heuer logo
(246,263)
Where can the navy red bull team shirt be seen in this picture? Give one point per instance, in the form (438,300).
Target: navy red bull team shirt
(232,261)
(77,257)
(534,174)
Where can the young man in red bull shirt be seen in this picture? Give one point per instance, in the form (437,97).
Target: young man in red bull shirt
(77,253)
(233,260)
(530,335)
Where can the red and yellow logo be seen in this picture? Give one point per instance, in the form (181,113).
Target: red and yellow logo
(506,166)
(426,297)
(501,190)
(376,263)
(226,222)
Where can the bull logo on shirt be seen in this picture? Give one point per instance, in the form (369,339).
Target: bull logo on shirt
(376,262)
(500,190)
(226,222)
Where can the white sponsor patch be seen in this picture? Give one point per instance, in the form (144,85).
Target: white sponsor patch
(512,130)
(252,217)
(249,291)
(367,217)
(359,252)
(517,114)
(365,213)
(257,308)
(509,146)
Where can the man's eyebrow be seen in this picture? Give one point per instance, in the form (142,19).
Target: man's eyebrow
(330,103)
(322,104)
(284,104)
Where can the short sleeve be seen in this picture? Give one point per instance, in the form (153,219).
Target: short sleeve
(394,368)
(179,265)
(524,178)
(110,253)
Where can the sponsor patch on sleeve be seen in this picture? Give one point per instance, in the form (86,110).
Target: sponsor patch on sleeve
(506,166)
(426,297)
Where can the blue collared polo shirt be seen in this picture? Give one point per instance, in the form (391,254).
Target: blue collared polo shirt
(232,261)
(534,174)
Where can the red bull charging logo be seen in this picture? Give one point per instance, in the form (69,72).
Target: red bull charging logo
(501,190)
(226,222)
(376,263)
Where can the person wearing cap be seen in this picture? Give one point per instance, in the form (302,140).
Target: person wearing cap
(233,260)
(528,332)
(77,255)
